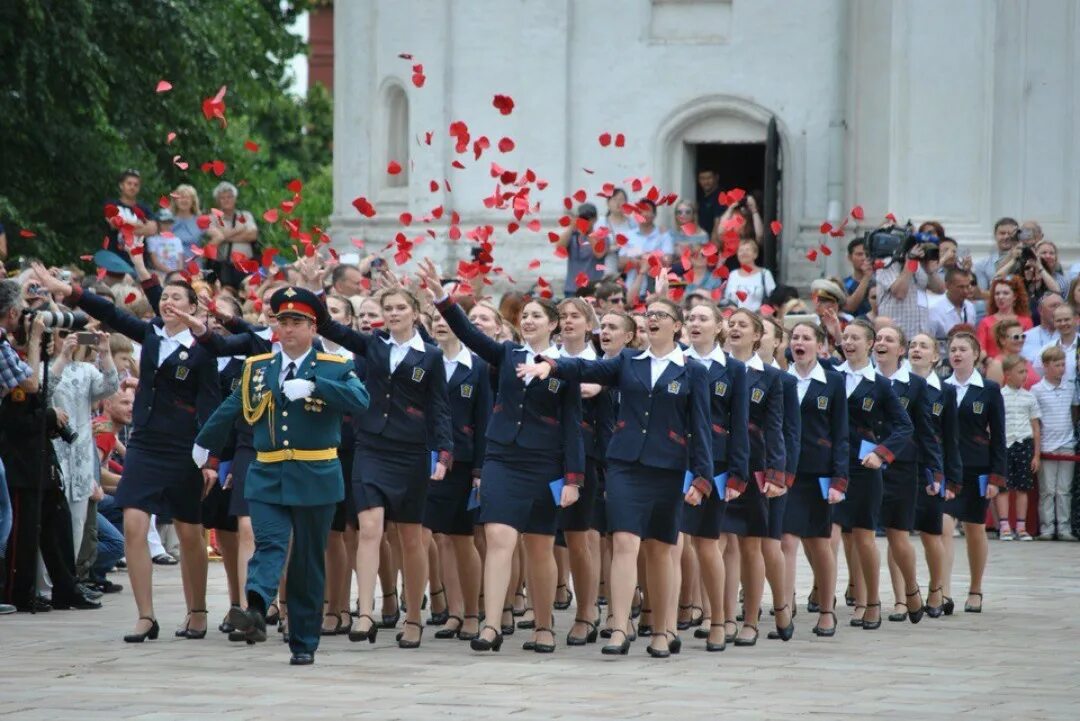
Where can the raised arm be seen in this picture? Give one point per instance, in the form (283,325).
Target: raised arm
(345,336)
(345,393)
(487,348)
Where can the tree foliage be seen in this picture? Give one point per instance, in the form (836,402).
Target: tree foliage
(78,104)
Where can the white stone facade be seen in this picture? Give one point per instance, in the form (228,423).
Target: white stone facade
(961,111)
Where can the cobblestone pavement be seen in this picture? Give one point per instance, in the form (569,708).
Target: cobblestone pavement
(1019,659)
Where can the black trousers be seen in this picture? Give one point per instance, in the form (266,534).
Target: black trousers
(41,522)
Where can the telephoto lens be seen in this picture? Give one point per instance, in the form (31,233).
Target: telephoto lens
(64,319)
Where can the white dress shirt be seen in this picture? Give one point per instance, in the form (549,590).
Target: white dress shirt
(464,357)
(531,354)
(961,388)
(1070,358)
(817,373)
(755,363)
(1035,340)
(716,354)
(902,374)
(658,364)
(398,351)
(169,343)
(587,353)
(944,315)
(287,360)
(852,377)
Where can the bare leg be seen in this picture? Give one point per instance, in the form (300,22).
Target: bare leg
(415,559)
(671,620)
(605,566)
(977,551)
(776,573)
(455,604)
(542,575)
(690,580)
(228,544)
(500,541)
(435,580)
(869,563)
(711,562)
(140,567)
(948,548)
(901,551)
(660,562)
(467,565)
(337,565)
(624,562)
(193,559)
(752,571)
(896,577)
(369,539)
(584,572)
(823,560)
(245,550)
(729,547)
(935,560)
(562,566)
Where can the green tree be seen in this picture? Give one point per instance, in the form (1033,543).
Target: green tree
(79,104)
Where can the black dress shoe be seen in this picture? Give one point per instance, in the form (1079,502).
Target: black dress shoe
(90,591)
(872,625)
(77,601)
(252,624)
(107,586)
(825,632)
(150,633)
(302,659)
(709,645)
(164,559)
(920,608)
(35,605)
(617,650)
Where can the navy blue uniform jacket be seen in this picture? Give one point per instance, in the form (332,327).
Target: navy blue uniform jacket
(823,444)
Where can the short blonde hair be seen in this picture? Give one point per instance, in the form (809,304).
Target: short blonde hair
(1053,353)
(188,190)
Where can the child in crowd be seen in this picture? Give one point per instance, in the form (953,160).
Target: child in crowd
(1021,441)
(1057,403)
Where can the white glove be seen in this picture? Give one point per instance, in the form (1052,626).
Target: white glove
(200,455)
(297,388)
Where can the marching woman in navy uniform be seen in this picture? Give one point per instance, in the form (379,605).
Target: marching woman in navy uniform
(771,547)
(447,514)
(728,423)
(878,428)
(905,476)
(533,444)
(409,414)
(823,454)
(981,424)
(747,517)
(294,400)
(178,390)
(576,322)
(660,455)
(933,492)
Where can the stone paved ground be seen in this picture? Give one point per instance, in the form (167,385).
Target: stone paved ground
(1020,659)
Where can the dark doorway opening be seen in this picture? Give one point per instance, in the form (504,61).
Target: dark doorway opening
(739,165)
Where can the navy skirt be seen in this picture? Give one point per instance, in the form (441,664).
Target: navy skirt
(242,459)
(515,490)
(644,500)
(345,511)
(969,506)
(807,514)
(928,510)
(900,484)
(748,515)
(391,475)
(446,510)
(706,519)
(215,509)
(159,477)
(862,506)
(579,517)
(599,515)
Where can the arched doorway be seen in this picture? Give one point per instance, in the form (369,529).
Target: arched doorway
(742,141)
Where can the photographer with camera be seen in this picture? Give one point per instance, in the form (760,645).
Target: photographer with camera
(41,520)
(909,272)
(1005,236)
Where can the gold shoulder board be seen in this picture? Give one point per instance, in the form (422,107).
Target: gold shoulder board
(330,357)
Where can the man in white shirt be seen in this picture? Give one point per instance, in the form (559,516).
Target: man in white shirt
(1043,334)
(953,308)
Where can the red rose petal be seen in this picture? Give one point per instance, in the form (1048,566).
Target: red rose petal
(534,264)
(271,215)
(504,104)
(857,212)
(364,207)
(776,226)
(620,140)
(825,227)
(580,196)
(741,295)
(405,219)
(506,145)
(24,233)
(170,137)
(163,86)
(434,185)
(891,218)
(251,145)
(203,221)
(534,225)
(393,168)
(605,139)
(811,255)
(825,249)
(581,279)
(418,79)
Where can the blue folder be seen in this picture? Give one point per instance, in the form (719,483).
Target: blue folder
(434,462)
(223,472)
(825,482)
(866,448)
(720,482)
(474,499)
(556,489)
(984,482)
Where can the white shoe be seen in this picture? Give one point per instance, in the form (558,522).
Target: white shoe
(1045,537)
(1006,536)
(1064,536)
(6,609)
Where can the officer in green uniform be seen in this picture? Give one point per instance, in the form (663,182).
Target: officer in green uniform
(294,401)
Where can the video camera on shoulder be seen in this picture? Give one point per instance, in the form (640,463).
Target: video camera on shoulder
(894,242)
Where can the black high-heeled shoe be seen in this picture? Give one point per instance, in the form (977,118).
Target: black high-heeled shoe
(812,606)
(968,608)
(857,622)
(589,637)
(675,644)
(563,605)
(934,611)
(346,625)
(639,601)
(150,633)
(273,618)
(659,652)
(331,631)
(508,628)
(702,631)
(872,625)
(740,641)
(445,633)
(438,619)
(916,615)
(849,597)
(621,650)
(402,642)
(645,629)
(465,635)
(897,616)
(709,645)
(783,634)
(227,626)
(538,647)
(825,632)
(730,637)
(186,631)
(391,621)
(369,635)
(525,607)
(948,606)
(683,625)
(482,644)
(606,632)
